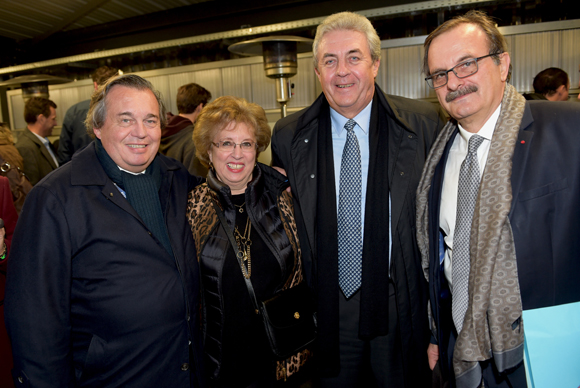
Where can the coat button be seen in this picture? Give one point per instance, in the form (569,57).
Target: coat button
(402,173)
(184,366)
(312,176)
(20,380)
(305,140)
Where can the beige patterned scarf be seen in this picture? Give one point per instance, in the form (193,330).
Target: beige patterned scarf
(492,326)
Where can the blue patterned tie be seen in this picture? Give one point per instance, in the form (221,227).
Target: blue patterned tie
(468,187)
(349,215)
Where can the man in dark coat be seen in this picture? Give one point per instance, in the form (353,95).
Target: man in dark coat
(177,136)
(38,153)
(73,134)
(103,282)
(380,324)
(508,239)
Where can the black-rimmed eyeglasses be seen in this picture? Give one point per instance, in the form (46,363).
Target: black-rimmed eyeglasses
(461,70)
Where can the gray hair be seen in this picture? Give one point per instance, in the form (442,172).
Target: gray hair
(348,21)
(98,109)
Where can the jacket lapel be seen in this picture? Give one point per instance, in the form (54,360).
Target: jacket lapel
(402,151)
(521,154)
(41,147)
(304,153)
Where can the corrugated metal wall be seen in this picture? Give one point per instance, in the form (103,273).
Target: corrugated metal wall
(400,74)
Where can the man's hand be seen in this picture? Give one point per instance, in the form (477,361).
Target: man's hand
(433,355)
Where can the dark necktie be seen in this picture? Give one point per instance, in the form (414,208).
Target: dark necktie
(349,215)
(469,178)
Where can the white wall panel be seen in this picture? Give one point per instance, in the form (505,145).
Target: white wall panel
(403,72)
(237,82)
(304,84)
(571,54)
(533,53)
(263,88)
(161,83)
(175,81)
(211,80)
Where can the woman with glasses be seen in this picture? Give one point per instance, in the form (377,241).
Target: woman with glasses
(257,210)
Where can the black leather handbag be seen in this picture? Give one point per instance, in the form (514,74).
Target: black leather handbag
(290,320)
(289,316)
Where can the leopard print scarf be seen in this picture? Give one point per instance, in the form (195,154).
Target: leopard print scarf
(492,326)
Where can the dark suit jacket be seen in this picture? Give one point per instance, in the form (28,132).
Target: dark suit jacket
(73,134)
(37,160)
(413,126)
(92,297)
(545,215)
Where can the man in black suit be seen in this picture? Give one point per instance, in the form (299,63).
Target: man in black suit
(498,218)
(353,159)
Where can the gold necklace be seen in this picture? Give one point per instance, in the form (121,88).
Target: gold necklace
(240,207)
(244,244)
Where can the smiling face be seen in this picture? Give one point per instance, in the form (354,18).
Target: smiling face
(346,71)
(234,168)
(471,100)
(131,132)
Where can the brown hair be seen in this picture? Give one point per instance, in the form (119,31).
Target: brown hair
(497,42)
(219,113)
(37,106)
(190,96)
(103,73)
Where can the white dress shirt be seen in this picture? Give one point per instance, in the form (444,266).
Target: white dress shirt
(457,154)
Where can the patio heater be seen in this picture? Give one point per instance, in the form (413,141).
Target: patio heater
(280,55)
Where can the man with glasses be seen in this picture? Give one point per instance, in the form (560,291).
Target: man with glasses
(498,217)
(353,160)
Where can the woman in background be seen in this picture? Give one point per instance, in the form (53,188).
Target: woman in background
(11,166)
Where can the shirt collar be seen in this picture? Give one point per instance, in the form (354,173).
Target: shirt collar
(486,131)
(131,172)
(44,140)
(363,119)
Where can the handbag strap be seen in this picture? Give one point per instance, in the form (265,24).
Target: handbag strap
(238,254)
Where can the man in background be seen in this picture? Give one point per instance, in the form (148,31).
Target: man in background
(73,135)
(550,84)
(176,138)
(38,153)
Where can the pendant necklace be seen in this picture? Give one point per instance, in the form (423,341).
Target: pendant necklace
(244,244)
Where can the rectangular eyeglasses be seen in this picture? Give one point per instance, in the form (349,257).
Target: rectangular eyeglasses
(461,70)
(228,145)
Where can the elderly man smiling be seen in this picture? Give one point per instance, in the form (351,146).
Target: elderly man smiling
(498,217)
(353,159)
(103,283)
